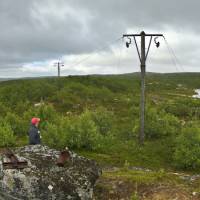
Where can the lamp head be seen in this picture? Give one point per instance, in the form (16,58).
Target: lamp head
(128,43)
(157,43)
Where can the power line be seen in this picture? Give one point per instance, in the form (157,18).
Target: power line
(173,56)
(98,49)
(120,54)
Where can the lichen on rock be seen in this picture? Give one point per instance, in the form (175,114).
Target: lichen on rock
(43,179)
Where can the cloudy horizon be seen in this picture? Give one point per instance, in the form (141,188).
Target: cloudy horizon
(87,36)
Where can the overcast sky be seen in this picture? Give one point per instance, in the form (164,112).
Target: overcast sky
(85,36)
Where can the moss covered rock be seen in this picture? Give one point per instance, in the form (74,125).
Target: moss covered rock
(43,179)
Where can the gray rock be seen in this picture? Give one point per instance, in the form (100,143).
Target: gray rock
(43,179)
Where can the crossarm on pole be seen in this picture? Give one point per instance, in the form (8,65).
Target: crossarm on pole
(135,35)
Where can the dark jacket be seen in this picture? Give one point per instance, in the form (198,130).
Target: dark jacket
(34,135)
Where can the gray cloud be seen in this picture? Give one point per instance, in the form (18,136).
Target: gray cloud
(44,30)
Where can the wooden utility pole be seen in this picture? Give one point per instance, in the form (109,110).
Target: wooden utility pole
(59,64)
(142,103)
(143,57)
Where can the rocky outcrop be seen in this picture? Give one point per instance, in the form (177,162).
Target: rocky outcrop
(42,179)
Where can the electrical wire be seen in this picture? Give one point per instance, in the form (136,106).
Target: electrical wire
(120,55)
(98,49)
(173,56)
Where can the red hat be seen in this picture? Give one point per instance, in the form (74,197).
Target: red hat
(35,120)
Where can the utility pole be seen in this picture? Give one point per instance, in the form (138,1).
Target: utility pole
(58,64)
(142,57)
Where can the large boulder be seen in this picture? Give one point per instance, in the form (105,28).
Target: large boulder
(42,179)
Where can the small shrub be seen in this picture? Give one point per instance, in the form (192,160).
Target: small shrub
(3,109)
(159,124)
(79,132)
(83,132)
(53,137)
(103,120)
(7,137)
(187,149)
(17,124)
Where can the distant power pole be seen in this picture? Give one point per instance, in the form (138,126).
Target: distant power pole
(59,64)
(142,57)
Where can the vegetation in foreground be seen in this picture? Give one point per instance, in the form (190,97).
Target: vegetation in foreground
(135,184)
(98,116)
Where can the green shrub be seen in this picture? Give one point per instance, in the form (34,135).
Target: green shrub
(21,107)
(53,136)
(103,120)
(83,132)
(31,112)
(187,149)
(79,132)
(183,107)
(7,137)
(17,124)
(159,124)
(3,109)
(179,109)
(47,114)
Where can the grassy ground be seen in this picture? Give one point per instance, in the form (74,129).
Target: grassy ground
(142,173)
(153,155)
(143,185)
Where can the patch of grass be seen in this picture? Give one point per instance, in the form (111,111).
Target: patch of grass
(22,141)
(144,177)
(135,196)
(102,159)
(153,155)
